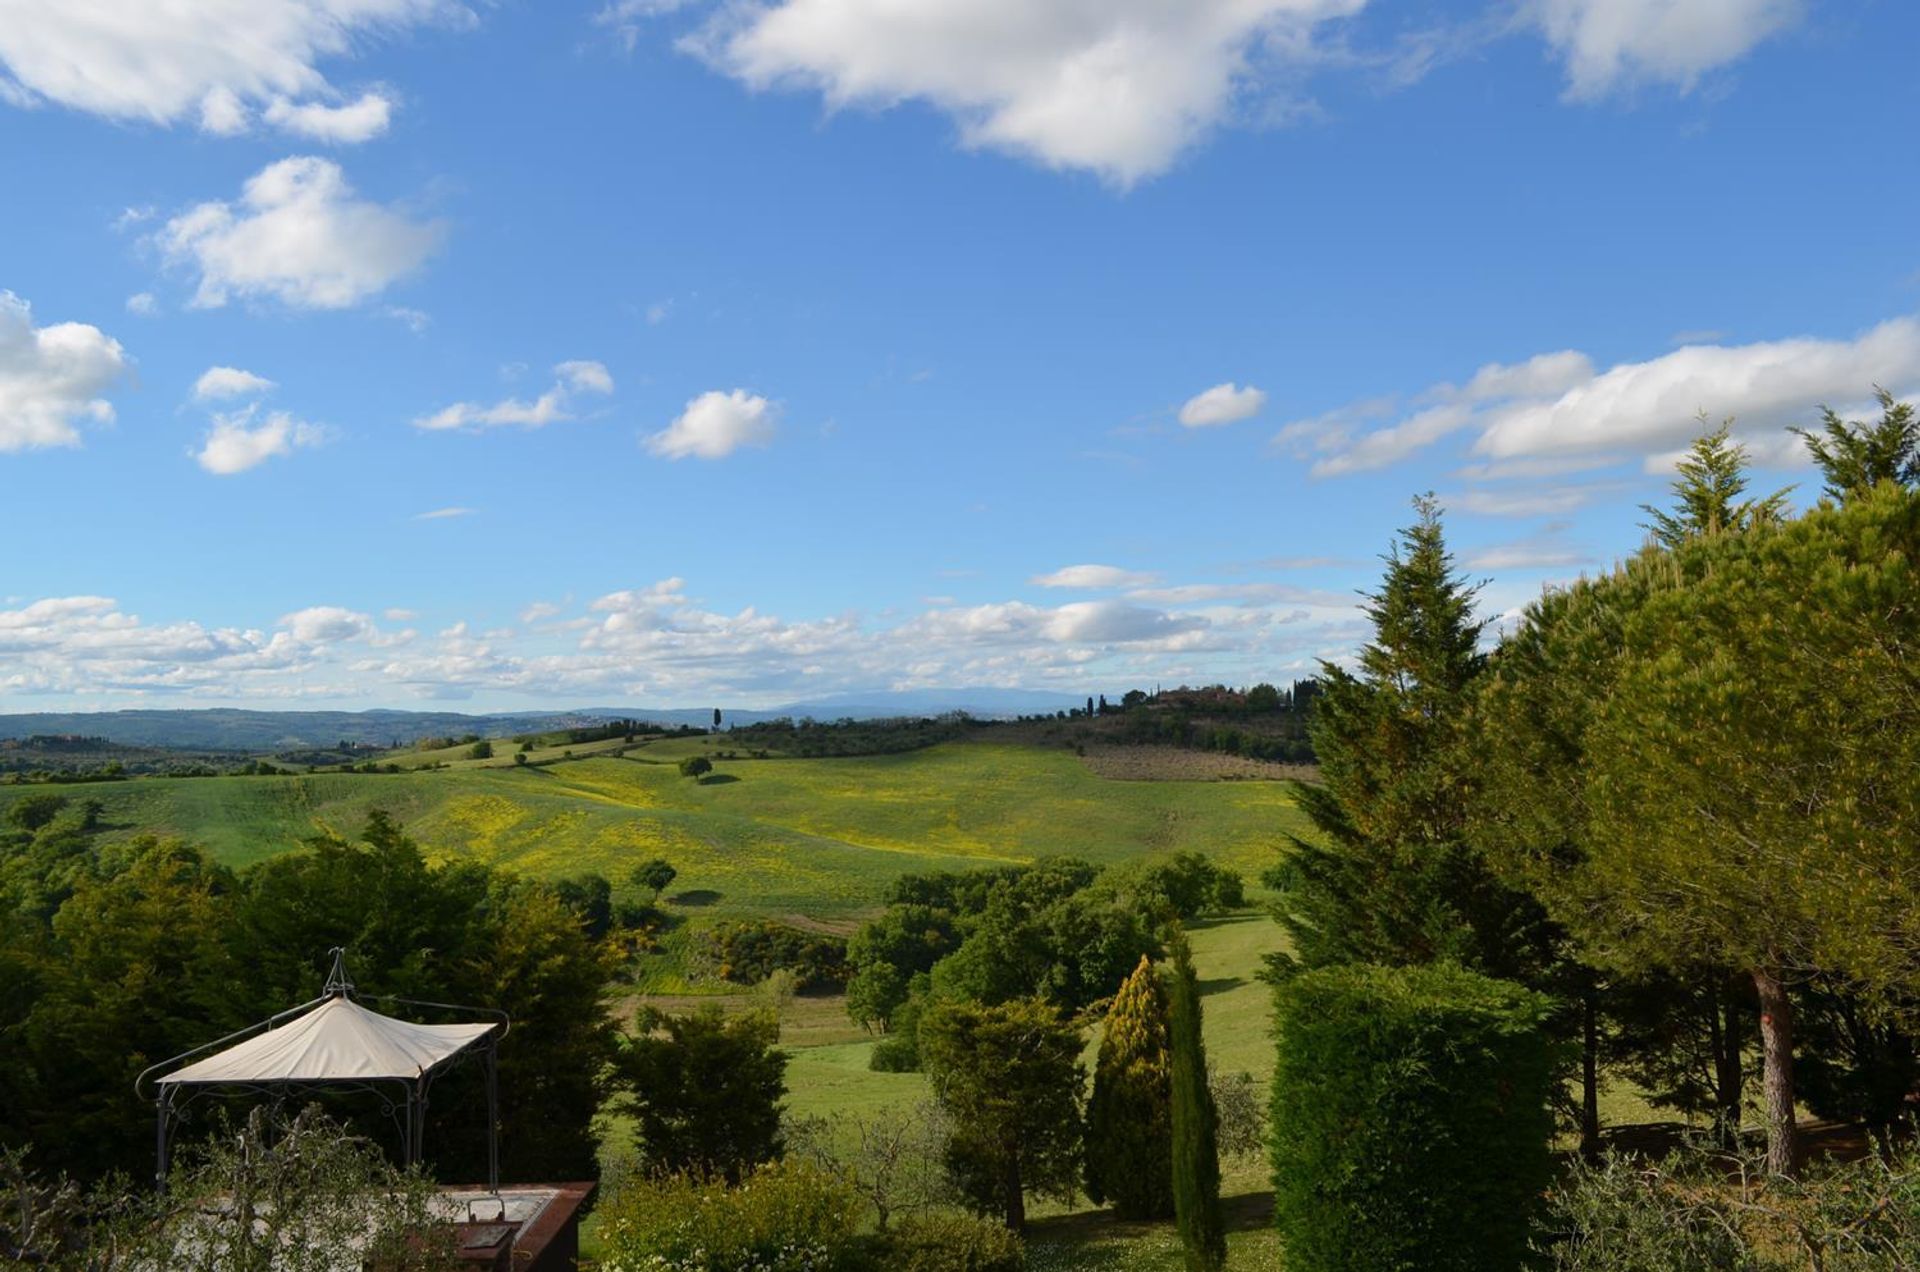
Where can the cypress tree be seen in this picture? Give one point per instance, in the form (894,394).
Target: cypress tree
(1196,1148)
(1707,487)
(1129,1145)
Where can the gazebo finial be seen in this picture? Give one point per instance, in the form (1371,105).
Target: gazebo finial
(339,984)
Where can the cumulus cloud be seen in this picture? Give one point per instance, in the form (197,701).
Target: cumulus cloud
(716,424)
(1092,577)
(1613,44)
(300,235)
(216,383)
(217,63)
(237,442)
(657,643)
(52,378)
(1222,404)
(549,408)
(1119,88)
(345,124)
(1556,413)
(143,304)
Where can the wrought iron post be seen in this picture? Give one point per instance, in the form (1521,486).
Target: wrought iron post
(493,1115)
(163,1114)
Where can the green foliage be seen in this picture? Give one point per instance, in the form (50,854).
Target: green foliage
(1695,1212)
(747,952)
(1009,1077)
(704,1090)
(946,1242)
(1195,1124)
(899,1051)
(481,750)
(1711,757)
(1073,951)
(1409,1126)
(1855,457)
(905,940)
(1392,878)
(1129,1142)
(782,1217)
(35,811)
(656,876)
(696,766)
(1184,885)
(590,897)
(1707,493)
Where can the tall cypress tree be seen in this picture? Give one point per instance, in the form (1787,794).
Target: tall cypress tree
(1196,1125)
(1129,1130)
(1390,877)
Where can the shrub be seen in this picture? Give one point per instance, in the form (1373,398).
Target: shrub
(785,1217)
(704,1090)
(1410,1121)
(948,1242)
(1701,1211)
(749,952)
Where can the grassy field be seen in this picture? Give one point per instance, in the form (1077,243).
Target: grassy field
(779,836)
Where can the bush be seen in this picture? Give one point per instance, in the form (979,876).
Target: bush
(786,1217)
(950,1243)
(749,952)
(1410,1121)
(1695,1212)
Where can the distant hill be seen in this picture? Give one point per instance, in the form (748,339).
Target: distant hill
(226,729)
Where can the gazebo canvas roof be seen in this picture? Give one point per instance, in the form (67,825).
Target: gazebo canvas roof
(338,1041)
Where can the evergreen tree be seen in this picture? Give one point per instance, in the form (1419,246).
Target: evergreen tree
(1009,1077)
(1707,488)
(1855,457)
(1196,1125)
(1390,878)
(1129,1133)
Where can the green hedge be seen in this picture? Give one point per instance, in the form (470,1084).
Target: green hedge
(948,1242)
(1410,1122)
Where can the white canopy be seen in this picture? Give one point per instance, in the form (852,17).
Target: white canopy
(338,1041)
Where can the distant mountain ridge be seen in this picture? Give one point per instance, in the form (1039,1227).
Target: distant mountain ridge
(232,729)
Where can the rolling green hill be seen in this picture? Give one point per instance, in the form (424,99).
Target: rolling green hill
(821,837)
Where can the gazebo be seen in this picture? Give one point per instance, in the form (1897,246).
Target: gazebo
(333,1043)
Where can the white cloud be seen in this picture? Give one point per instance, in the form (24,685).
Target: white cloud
(716,424)
(215,61)
(227,382)
(443,514)
(585,376)
(299,235)
(359,120)
(236,443)
(416,320)
(1614,44)
(397,615)
(52,378)
(538,610)
(1653,405)
(549,408)
(1556,414)
(143,304)
(327,625)
(1116,87)
(1222,404)
(1092,577)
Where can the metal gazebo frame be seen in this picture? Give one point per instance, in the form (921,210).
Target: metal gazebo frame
(411,1099)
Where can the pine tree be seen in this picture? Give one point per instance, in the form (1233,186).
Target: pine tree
(1390,878)
(1196,1149)
(1856,457)
(1708,486)
(1129,1120)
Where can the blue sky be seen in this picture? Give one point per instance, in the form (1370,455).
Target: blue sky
(384,352)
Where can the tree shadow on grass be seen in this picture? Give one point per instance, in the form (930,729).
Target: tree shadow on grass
(695,897)
(718,779)
(1219,984)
